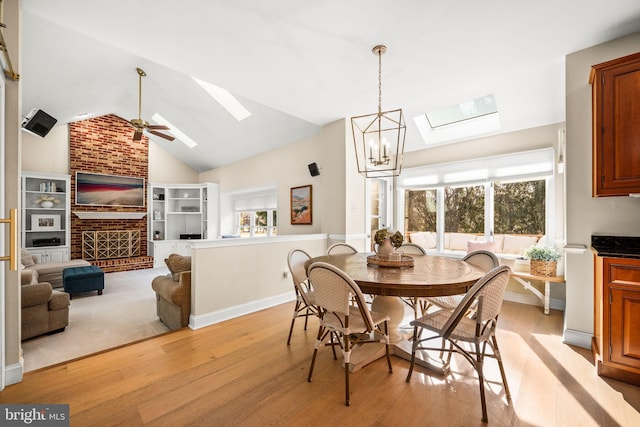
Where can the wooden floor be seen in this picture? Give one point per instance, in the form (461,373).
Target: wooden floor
(241,372)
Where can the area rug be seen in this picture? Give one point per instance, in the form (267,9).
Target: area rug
(124,313)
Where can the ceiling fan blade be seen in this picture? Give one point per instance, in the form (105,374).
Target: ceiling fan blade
(161,135)
(159,127)
(138,135)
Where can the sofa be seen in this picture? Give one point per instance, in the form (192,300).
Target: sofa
(173,292)
(44,310)
(50,272)
(507,247)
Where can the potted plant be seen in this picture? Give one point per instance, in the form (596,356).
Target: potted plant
(544,260)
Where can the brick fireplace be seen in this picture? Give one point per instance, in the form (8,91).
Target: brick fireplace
(105,145)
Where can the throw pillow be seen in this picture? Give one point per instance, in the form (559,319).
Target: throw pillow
(474,245)
(26,259)
(177,264)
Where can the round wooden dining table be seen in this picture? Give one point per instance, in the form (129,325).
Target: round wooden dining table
(429,276)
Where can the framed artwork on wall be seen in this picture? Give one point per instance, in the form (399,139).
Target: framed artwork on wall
(301,205)
(45,222)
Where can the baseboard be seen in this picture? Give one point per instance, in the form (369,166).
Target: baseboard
(530,299)
(202,320)
(13,373)
(577,338)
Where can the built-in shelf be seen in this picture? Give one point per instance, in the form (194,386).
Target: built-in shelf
(109,215)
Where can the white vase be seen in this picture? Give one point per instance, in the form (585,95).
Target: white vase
(46,204)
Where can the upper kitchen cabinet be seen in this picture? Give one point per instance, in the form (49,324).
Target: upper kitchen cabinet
(616,126)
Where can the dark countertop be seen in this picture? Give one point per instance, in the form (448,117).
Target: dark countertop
(616,246)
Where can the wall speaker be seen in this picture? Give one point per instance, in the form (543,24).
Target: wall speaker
(313,169)
(38,122)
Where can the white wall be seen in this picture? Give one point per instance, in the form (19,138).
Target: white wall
(238,276)
(285,168)
(49,154)
(587,215)
(166,169)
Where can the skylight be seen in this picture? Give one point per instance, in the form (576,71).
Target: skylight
(224,98)
(174,130)
(459,122)
(465,111)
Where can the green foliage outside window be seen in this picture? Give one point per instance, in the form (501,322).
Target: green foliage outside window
(519,208)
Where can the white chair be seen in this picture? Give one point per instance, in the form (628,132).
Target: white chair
(412,249)
(479,331)
(354,323)
(305,301)
(341,248)
(484,260)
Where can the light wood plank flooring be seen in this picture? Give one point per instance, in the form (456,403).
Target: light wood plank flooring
(241,372)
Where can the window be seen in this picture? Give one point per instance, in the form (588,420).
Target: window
(420,210)
(519,207)
(251,212)
(464,209)
(501,195)
(257,223)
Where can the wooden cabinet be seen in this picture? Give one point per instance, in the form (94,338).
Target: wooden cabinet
(45,215)
(616,343)
(616,126)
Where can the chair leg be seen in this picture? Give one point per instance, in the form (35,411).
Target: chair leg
(414,347)
(315,352)
(293,321)
(306,318)
(496,351)
(387,345)
(480,370)
(346,355)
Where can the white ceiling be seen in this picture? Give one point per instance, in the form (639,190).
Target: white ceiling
(297,65)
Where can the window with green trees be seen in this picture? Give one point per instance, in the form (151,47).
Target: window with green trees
(515,208)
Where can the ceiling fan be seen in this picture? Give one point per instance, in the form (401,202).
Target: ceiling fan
(141,125)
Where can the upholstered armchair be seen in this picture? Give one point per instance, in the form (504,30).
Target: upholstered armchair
(44,310)
(173,292)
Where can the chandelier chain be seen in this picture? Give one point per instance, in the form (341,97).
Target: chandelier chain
(379,81)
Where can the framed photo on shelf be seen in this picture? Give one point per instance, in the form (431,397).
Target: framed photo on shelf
(301,205)
(45,222)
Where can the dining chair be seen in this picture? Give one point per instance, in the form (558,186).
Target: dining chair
(413,302)
(412,249)
(354,324)
(477,331)
(484,260)
(341,248)
(305,300)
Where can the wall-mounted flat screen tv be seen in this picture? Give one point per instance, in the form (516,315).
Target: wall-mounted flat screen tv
(109,190)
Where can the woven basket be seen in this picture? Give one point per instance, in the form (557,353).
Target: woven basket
(543,268)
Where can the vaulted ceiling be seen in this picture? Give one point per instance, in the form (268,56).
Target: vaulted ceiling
(298,65)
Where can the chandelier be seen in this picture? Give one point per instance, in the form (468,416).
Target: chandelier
(379,138)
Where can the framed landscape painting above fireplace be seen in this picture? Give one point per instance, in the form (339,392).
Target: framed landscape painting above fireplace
(109,190)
